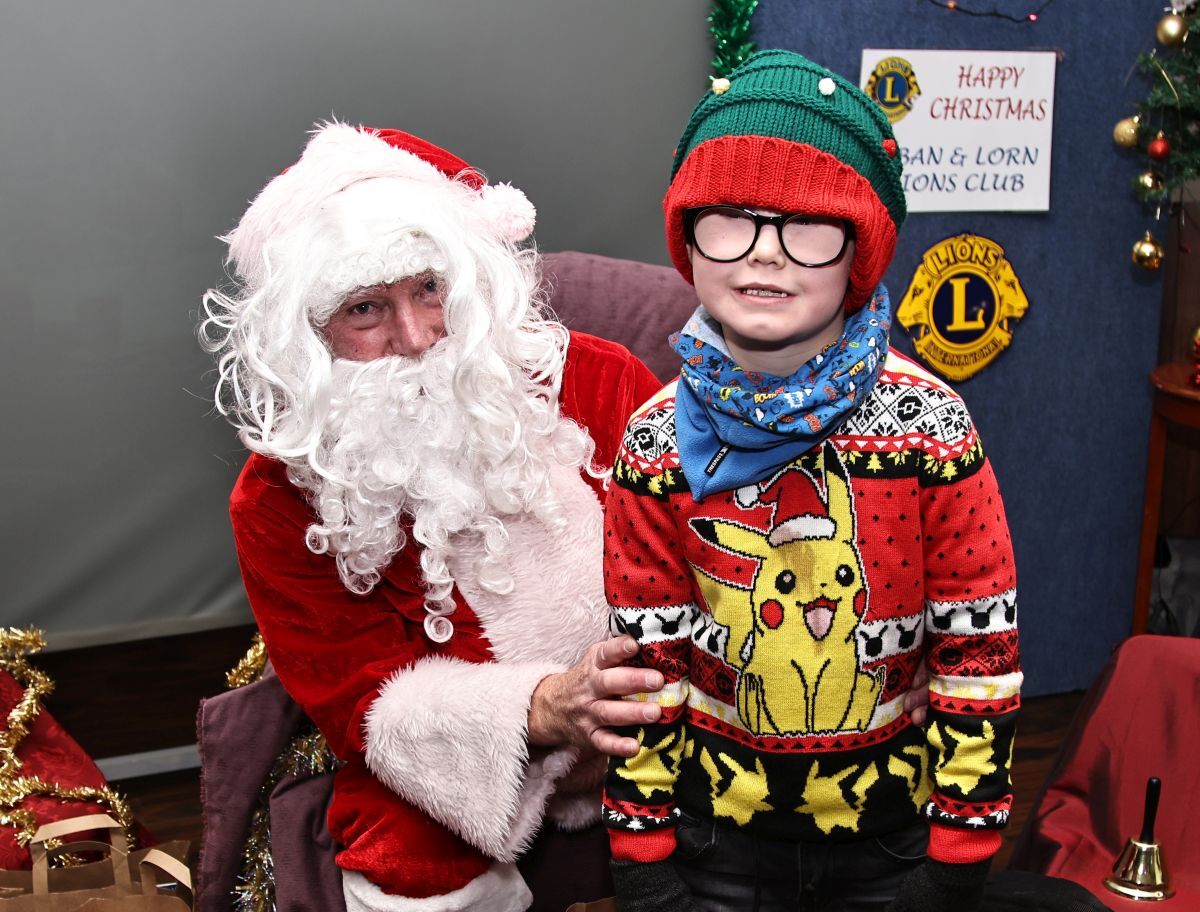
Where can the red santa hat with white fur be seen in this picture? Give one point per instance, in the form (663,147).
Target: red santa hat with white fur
(340,155)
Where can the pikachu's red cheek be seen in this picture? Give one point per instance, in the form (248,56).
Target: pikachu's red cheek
(860,602)
(772,613)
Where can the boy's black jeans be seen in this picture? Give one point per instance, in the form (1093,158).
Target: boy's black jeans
(729,870)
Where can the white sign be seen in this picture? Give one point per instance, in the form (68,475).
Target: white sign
(973,127)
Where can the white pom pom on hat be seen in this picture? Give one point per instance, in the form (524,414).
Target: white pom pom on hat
(509,210)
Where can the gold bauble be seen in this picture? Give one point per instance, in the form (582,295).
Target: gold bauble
(1150,181)
(1125,133)
(1148,253)
(1171,30)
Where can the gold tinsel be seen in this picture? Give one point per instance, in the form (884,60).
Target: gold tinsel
(15,645)
(250,667)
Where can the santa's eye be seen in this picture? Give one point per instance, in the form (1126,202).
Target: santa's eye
(785,582)
(429,285)
(844,575)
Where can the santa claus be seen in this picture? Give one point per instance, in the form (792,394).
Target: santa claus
(418,525)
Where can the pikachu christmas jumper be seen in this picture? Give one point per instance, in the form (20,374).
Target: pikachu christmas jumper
(789,617)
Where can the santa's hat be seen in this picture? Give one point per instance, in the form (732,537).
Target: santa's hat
(339,156)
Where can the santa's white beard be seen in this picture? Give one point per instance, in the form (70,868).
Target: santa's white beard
(398,445)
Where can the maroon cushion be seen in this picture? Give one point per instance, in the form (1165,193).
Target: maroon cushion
(241,734)
(636,304)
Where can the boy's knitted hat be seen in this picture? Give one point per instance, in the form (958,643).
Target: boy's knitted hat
(783,133)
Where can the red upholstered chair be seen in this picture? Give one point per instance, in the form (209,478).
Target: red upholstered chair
(1141,718)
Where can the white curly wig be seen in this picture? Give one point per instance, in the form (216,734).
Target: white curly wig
(449,442)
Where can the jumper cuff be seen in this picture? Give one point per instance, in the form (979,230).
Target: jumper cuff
(956,846)
(647,846)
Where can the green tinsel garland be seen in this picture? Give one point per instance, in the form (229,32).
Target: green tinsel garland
(1173,106)
(729,24)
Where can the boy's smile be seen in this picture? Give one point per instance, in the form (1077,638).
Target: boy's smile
(764,291)
(776,314)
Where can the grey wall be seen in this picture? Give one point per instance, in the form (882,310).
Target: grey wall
(132,132)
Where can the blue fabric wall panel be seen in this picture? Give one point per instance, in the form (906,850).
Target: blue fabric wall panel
(1064,413)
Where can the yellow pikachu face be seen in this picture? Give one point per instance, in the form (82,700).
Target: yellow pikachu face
(799,663)
(810,572)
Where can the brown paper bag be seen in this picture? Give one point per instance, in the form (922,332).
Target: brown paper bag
(600,905)
(107,885)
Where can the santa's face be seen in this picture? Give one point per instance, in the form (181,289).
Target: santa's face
(398,318)
(404,451)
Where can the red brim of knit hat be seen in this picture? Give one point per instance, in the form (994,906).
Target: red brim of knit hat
(778,174)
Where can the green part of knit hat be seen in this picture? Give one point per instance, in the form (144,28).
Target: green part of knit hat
(782,94)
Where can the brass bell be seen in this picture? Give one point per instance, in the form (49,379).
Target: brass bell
(1140,872)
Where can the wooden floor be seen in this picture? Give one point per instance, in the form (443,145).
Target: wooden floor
(169,805)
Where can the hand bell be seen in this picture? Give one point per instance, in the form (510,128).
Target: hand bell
(1140,872)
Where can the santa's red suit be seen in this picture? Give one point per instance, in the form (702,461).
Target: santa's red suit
(440,791)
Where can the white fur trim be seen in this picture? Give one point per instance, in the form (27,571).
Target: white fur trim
(802,528)
(575,811)
(337,156)
(557,608)
(499,889)
(509,211)
(451,738)
(747,496)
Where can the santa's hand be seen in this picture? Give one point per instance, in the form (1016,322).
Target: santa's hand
(916,701)
(582,706)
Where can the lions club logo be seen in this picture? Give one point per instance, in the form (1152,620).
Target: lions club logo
(893,86)
(961,305)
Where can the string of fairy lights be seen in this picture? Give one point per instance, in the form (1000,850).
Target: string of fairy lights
(955,6)
(729,25)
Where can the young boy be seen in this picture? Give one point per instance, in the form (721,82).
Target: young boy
(794,525)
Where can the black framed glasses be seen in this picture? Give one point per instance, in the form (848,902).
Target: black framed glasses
(724,234)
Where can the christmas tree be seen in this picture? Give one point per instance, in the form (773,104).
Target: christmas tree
(1168,120)
(1166,129)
